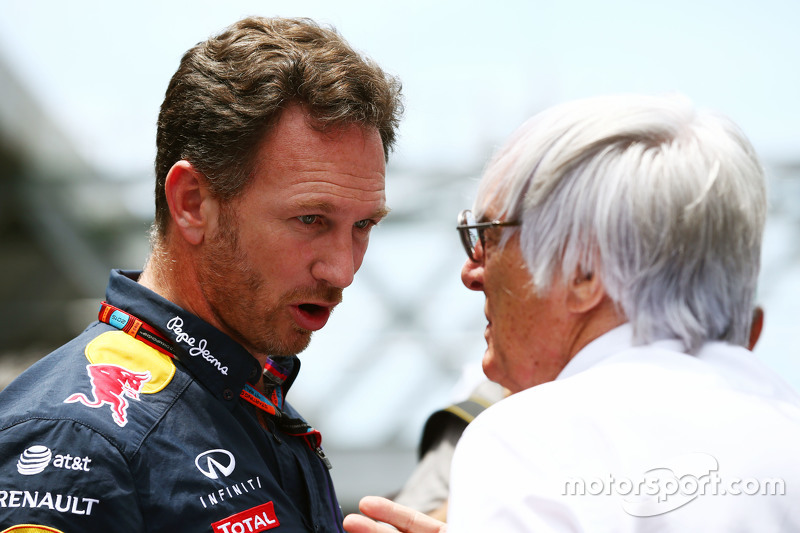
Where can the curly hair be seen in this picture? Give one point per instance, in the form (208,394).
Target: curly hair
(231,89)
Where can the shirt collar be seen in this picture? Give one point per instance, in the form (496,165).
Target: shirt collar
(216,360)
(603,347)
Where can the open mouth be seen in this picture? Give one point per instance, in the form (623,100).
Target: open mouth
(310,317)
(313,309)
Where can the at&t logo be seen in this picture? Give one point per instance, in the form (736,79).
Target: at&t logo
(34,460)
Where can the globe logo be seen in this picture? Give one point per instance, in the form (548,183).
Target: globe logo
(34,460)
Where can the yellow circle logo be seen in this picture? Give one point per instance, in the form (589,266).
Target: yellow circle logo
(31,528)
(119,348)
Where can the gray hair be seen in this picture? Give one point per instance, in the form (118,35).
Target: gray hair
(664,202)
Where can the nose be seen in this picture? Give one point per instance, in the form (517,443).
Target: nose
(472,275)
(338,264)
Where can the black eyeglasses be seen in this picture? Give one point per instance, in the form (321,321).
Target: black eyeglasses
(471,231)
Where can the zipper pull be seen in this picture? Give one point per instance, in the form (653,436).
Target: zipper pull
(321,455)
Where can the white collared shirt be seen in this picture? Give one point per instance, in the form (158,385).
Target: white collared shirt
(628,439)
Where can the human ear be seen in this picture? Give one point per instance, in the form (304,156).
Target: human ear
(193,208)
(585,292)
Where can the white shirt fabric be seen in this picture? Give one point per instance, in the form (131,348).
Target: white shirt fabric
(635,439)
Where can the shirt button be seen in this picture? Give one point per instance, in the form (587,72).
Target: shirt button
(227,394)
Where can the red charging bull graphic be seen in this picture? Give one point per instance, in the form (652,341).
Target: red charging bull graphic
(110,385)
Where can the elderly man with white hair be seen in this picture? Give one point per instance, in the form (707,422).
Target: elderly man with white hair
(617,241)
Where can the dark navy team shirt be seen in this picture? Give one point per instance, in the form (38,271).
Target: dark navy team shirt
(109,434)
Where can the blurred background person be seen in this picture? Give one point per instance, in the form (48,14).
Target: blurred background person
(428,487)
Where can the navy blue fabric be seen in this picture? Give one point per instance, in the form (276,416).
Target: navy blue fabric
(147,474)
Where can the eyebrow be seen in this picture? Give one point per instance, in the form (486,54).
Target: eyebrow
(325,207)
(381,213)
(320,207)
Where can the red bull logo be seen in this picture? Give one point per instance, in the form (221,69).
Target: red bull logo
(112,385)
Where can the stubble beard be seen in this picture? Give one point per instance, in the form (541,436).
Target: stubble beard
(230,284)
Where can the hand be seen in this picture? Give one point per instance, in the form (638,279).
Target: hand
(405,519)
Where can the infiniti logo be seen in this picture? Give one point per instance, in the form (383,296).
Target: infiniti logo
(215,464)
